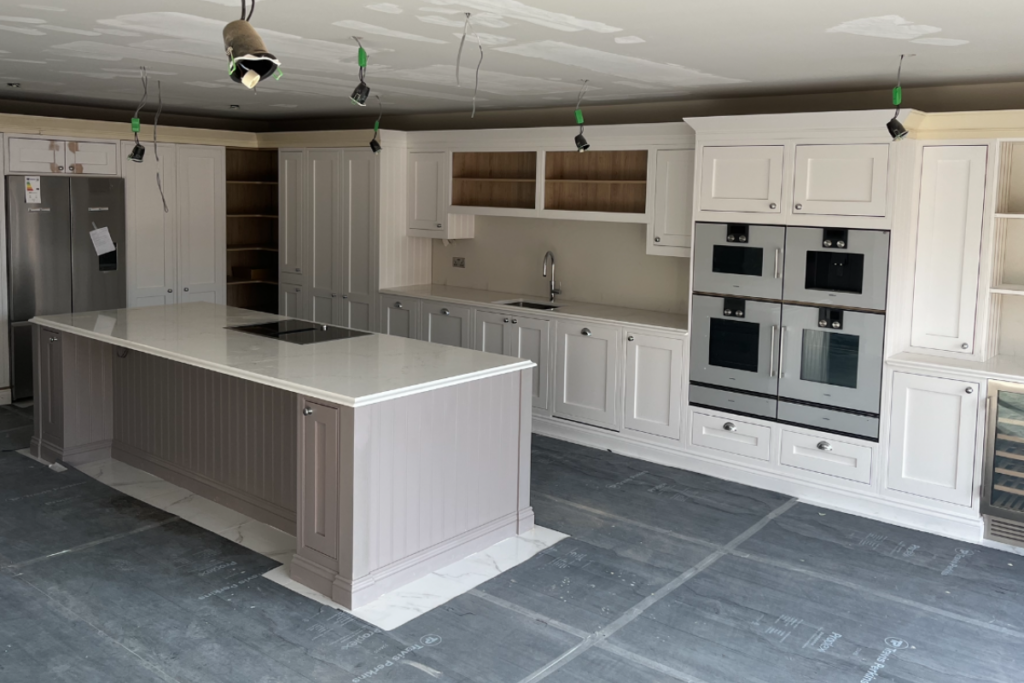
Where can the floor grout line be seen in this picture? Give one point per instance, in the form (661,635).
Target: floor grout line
(640,660)
(85,546)
(530,614)
(938,611)
(637,610)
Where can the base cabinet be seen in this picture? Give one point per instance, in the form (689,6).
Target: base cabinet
(49,395)
(443,323)
(654,380)
(586,385)
(399,316)
(932,437)
(318,504)
(291,301)
(519,337)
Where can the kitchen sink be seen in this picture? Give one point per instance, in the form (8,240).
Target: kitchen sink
(529,304)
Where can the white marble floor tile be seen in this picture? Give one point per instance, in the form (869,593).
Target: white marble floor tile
(116,473)
(262,538)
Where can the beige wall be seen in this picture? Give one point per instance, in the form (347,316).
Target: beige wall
(603,263)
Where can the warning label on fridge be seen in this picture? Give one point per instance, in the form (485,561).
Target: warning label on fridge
(33,193)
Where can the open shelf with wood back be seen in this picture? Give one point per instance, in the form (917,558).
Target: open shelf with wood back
(606,181)
(252,231)
(495,179)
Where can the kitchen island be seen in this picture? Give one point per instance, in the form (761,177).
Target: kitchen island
(387,457)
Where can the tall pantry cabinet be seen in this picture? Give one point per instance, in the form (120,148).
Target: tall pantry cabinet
(327,235)
(177,255)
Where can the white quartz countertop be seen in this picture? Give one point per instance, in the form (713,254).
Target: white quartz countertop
(567,309)
(350,372)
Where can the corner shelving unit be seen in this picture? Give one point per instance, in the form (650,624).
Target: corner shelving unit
(252,232)
(495,179)
(608,181)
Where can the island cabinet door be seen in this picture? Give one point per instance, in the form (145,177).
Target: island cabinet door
(49,393)
(319,483)
(447,324)
(654,382)
(588,368)
(399,316)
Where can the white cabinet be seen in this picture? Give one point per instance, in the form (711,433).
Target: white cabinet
(841,180)
(669,234)
(291,300)
(38,155)
(729,436)
(932,437)
(399,316)
(588,364)
(152,233)
(654,383)
(449,324)
(429,199)
(742,179)
(176,256)
(949,248)
(202,224)
(519,337)
(291,167)
(827,455)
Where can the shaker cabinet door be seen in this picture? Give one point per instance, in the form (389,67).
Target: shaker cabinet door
(588,366)
(742,179)
(319,480)
(399,316)
(654,382)
(673,197)
(427,183)
(447,324)
(841,180)
(202,229)
(531,340)
(291,209)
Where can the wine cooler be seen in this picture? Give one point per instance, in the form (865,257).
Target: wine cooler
(1002,499)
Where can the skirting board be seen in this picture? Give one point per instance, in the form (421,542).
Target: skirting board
(879,509)
(263,512)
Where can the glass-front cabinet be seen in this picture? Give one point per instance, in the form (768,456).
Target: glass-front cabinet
(1003,495)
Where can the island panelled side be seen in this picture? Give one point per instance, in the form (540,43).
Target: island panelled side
(378,495)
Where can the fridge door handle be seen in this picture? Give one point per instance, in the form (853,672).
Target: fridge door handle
(99,208)
(40,210)
(771,355)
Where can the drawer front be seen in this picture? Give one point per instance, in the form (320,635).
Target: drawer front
(826,455)
(731,436)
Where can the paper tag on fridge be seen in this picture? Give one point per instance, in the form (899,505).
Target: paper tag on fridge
(33,192)
(101,241)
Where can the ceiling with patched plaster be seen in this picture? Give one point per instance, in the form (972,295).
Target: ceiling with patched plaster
(535,53)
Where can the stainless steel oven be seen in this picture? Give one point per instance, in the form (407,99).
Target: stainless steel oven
(837,267)
(739,259)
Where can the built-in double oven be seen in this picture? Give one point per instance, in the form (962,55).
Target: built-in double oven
(789,324)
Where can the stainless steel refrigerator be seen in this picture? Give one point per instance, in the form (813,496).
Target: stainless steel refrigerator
(52,263)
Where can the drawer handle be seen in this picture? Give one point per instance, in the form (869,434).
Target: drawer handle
(307,411)
(969,390)
(398,304)
(586,332)
(824,446)
(53,339)
(729,427)
(445,311)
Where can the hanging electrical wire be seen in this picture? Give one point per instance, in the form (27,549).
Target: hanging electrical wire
(375,141)
(581,142)
(138,152)
(362,91)
(895,128)
(156,149)
(467,29)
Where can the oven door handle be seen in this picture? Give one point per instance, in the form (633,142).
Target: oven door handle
(778,258)
(771,355)
(782,347)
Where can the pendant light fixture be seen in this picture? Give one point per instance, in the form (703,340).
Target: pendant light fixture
(895,128)
(139,151)
(581,142)
(362,91)
(248,59)
(375,142)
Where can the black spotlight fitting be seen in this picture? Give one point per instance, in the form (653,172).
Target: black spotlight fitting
(138,152)
(581,143)
(896,129)
(375,146)
(361,94)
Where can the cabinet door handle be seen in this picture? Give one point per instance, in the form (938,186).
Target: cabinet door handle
(630,338)
(439,226)
(307,411)
(42,210)
(186,289)
(515,321)
(729,427)
(824,446)
(398,304)
(53,339)
(586,332)
(170,291)
(344,296)
(657,239)
(772,206)
(445,311)
(969,390)
(798,207)
(965,346)
(298,289)
(506,319)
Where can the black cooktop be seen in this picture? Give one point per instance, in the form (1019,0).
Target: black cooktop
(300,331)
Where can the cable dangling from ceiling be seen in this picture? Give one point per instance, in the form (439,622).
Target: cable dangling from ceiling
(581,142)
(156,149)
(139,151)
(468,29)
(375,141)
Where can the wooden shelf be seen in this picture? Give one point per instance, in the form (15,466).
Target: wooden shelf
(595,182)
(1013,290)
(1010,215)
(495,179)
(498,180)
(252,182)
(252,232)
(251,282)
(252,248)
(602,181)
(252,215)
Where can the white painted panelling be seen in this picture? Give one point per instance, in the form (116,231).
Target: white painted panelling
(151,234)
(826,455)
(35,155)
(202,224)
(841,180)
(949,248)
(586,387)
(932,437)
(404,260)
(98,158)
(742,179)
(5,366)
(731,436)
(673,199)
(654,378)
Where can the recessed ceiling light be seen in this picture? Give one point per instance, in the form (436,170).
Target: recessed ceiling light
(235,106)
(14,85)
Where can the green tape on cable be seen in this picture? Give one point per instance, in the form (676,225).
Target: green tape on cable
(136,125)
(362,58)
(579,116)
(376,126)
(897,96)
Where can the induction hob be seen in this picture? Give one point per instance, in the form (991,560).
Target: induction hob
(300,331)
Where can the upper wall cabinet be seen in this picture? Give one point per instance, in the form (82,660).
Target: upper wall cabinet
(841,180)
(745,179)
(38,155)
(949,236)
(430,198)
(670,232)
